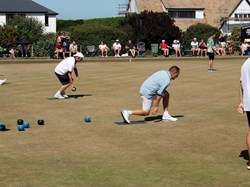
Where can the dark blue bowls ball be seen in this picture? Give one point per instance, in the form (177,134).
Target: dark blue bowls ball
(73,88)
(20,127)
(87,119)
(40,122)
(26,125)
(2,127)
(19,121)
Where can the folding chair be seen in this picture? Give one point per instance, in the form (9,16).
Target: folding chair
(141,50)
(91,51)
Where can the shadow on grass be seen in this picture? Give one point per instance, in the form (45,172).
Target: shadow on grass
(141,122)
(244,154)
(5,130)
(159,118)
(75,96)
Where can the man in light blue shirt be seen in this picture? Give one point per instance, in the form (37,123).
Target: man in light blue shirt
(154,89)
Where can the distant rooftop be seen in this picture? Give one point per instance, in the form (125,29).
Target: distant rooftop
(24,6)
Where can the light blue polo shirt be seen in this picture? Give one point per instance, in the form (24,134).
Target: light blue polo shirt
(155,84)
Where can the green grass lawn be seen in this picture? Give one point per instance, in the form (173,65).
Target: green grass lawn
(201,149)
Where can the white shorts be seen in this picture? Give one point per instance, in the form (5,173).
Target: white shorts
(147,103)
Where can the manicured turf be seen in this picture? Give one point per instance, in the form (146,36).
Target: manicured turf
(201,149)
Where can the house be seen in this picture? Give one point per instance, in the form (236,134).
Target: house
(28,8)
(224,14)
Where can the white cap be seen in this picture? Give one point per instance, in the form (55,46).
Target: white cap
(78,54)
(117,40)
(163,41)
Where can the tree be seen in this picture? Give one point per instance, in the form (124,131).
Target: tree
(235,39)
(28,28)
(151,27)
(9,34)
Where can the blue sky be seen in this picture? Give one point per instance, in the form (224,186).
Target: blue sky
(82,9)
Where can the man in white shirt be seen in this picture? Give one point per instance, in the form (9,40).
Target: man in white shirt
(117,48)
(73,48)
(244,105)
(195,47)
(64,71)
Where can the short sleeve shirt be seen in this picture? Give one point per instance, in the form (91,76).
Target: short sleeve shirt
(245,81)
(117,45)
(156,84)
(194,44)
(65,66)
(210,43)
(163,45)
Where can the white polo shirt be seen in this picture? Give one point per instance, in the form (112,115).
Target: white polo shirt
(117,46)
(65,66)
(245,81)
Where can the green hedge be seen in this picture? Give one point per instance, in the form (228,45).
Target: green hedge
(92,35)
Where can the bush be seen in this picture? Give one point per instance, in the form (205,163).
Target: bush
(199,31)
(44,45)
(92,35)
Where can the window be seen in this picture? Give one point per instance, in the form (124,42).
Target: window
(46,20)
(242,15)
(182,14)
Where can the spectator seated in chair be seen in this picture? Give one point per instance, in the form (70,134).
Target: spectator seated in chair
(177,48)
(195,47)
(131,49)
(73,48)
(203,47)
(244,48)
(229,47)
(220,49)
(117,48)
(165,48)
(104,49)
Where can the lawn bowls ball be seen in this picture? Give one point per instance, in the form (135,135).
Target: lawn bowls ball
(87,119)
(40,122)
(19,121)
(26,125)
(2,127)
(73,88)
(20,127)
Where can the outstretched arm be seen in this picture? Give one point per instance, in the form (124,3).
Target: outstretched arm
(76,73)
(241,107)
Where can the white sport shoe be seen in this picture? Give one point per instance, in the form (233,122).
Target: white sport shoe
(125,116)
(64,95)
(2,81)
(59,96)
(168,118)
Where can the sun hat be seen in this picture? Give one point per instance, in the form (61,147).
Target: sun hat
(78,54)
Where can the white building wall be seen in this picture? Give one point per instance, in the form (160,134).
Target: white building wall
(133,7)
(2,19)
(52,25)
(51,28)
(41,17)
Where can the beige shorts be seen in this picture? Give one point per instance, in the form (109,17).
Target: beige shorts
(147,103)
